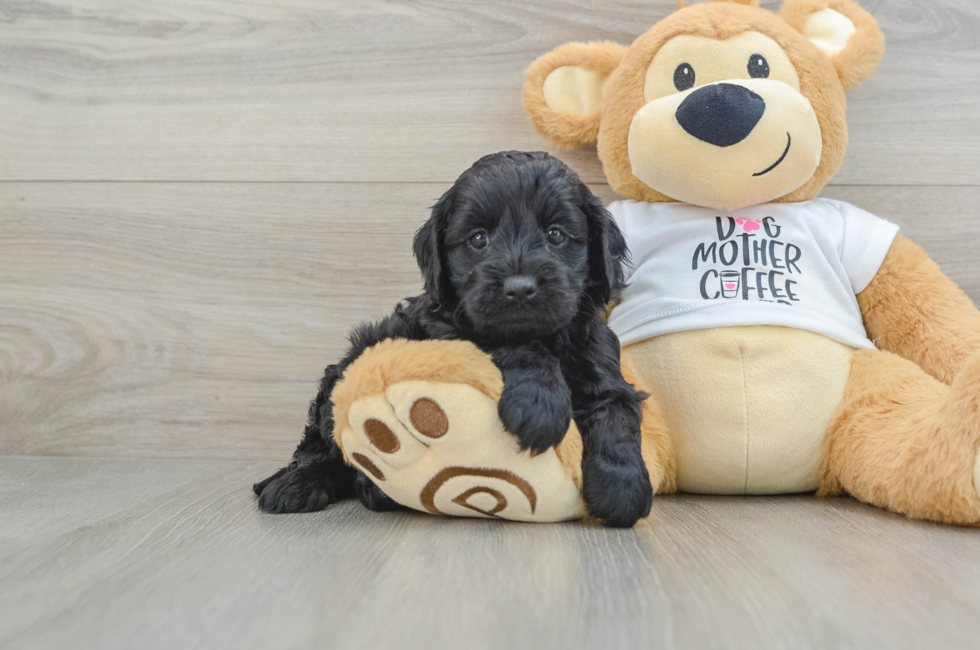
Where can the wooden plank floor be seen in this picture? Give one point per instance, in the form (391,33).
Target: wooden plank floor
(120,554)
(199,198)
(194,319)
(406,90)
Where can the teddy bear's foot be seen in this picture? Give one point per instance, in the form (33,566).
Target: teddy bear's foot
(439,446)
(976,474)
(907,442)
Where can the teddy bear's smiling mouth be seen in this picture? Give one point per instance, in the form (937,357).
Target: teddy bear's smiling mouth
(789,143)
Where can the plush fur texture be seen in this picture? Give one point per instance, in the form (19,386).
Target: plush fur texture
(864,50)
(905,441)
(658,445)
(739,424)
(410,412)
(906,434)
(518,257)
(561,128)
(624,91)
(822,81)
(393,360)
(912,309)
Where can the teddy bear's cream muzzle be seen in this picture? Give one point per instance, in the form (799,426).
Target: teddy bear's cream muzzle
(727,145)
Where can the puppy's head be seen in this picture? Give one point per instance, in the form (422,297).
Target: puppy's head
(519,245)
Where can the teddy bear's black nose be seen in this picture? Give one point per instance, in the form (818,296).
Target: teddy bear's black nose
(721,114)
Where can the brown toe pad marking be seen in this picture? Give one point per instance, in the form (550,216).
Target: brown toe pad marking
(428,418)
(383,439)
(368,466)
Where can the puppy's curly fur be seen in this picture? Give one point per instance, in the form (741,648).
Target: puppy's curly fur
(518,257)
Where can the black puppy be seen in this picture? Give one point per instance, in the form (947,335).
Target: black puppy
(518,257)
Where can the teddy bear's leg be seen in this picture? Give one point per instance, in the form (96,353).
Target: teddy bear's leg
(657,446)
(905,441)
(420,420)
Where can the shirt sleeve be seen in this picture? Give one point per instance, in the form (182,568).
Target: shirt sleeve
(618,211)
(867,240)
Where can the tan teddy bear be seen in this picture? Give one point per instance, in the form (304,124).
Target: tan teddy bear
(789,343)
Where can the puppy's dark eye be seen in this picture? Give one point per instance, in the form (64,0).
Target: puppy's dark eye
(758,67)
(684,77)
(555,236)
(480,239)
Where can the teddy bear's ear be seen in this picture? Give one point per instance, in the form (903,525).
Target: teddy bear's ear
(563,91)
(843,31)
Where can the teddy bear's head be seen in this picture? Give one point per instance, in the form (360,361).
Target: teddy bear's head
(721,104)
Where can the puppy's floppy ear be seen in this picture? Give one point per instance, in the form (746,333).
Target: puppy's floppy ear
(843,31)
(607,253)
(563,91)
(429,251)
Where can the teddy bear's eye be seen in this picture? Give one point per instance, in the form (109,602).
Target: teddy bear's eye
(684,77)
(758,67)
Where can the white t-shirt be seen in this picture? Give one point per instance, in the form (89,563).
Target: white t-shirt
(798,265)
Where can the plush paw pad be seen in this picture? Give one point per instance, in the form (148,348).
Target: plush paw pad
(441,448)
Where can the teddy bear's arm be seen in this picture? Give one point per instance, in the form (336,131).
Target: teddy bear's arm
(912,309)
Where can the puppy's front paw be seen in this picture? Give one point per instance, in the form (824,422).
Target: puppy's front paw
(300,489)
(371,496)
(538,418)
(617,491)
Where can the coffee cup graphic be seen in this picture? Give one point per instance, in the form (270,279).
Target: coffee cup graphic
(729,283)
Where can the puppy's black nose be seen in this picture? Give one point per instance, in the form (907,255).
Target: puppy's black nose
(721,114)
(520,287)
